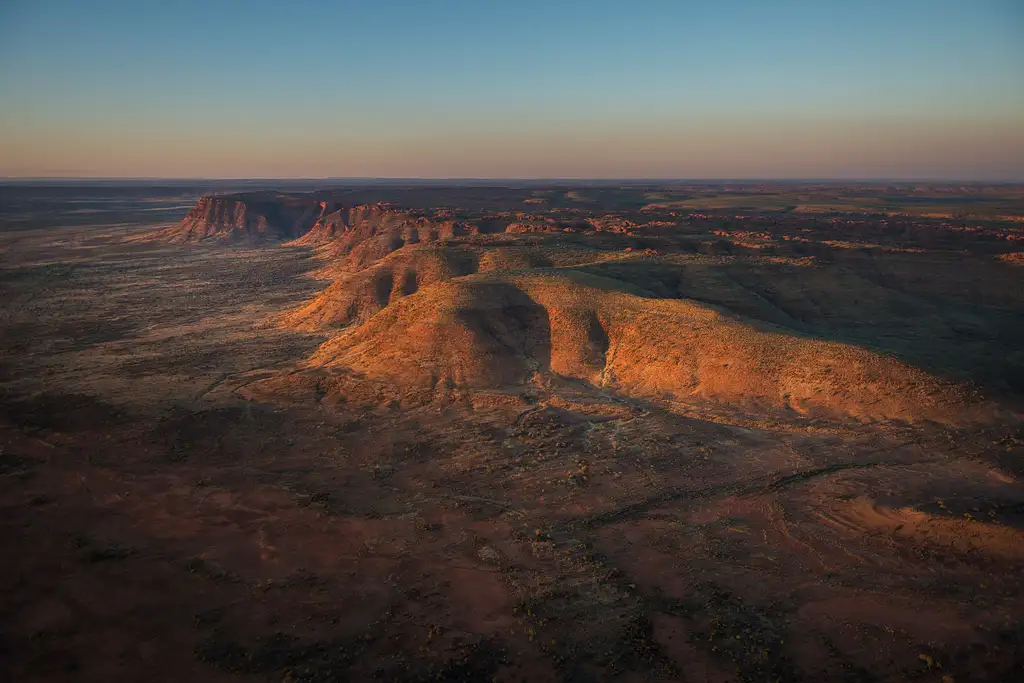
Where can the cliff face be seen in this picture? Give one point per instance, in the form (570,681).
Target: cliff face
(351,224)
(246,218)
(362,232)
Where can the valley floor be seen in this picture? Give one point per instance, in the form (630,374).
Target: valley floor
(162,517)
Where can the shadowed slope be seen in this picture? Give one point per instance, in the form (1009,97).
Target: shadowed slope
(947,315)
(489,331)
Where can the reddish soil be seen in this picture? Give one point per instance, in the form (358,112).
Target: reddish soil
(184,496)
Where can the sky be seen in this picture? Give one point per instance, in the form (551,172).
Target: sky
(913,89)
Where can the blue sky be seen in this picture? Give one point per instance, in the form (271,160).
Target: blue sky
(733,88)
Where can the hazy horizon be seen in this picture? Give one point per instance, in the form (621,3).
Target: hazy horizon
(515,179)
(906,90)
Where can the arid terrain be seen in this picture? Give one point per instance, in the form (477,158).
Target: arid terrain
(512,432)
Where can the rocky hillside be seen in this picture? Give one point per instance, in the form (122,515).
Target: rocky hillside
(479,316)
(495,330)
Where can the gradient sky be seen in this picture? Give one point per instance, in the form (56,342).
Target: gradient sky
(523,88)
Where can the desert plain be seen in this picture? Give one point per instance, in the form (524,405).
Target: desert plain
(702,432)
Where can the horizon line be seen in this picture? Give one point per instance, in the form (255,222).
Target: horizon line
(629,179)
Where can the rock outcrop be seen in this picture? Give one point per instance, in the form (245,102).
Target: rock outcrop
(248,218)
(370,231)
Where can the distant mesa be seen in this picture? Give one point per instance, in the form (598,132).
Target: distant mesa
(311,220)
(306,220)
(246,218)
(257,218)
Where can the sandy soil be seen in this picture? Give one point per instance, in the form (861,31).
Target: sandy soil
(163,517)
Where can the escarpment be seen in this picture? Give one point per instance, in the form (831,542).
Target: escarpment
(246,218)
(323,220)
(504,300)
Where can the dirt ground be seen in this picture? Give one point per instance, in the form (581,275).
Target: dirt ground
(162,518)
